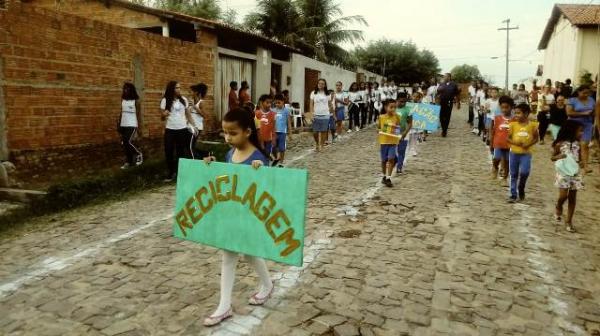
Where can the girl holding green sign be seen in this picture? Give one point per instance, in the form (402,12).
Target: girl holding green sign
(240,133)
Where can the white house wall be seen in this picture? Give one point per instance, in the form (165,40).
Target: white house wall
(589,57)
(330,73)
(560,54)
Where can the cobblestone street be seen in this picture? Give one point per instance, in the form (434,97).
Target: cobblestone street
(440,253)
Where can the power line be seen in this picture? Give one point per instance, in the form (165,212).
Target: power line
(508,29)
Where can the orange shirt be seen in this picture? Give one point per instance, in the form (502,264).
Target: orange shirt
(267,125)
(501,127)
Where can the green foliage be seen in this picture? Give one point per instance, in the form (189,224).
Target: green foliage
(314,26)
(586,78)
(403,61)
(208,9)
(102,187)
(465,73)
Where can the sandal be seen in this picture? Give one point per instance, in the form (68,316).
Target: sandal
(570,227)
(214,320)
(255,300)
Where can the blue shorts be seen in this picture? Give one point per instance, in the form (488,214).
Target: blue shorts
(320,124)
(488,122)
(281,142)
(501,153)
(388,152)
(340,113)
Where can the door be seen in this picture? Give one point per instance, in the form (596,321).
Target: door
(231,69)
(276,75)
(311,79)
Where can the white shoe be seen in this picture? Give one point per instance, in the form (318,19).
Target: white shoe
(356,129)
(139,160)
(349,131)
(125,166)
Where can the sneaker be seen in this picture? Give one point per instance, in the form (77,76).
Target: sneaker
(399,172)
(139,160)
(512,199)
(356,129)
(383,180)
(521,197)
(125,166)
(388,183)
(275,163)
(349,131)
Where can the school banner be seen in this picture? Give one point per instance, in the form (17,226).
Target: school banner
(259,212)
(425,116)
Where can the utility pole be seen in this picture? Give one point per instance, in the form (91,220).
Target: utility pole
(508,29)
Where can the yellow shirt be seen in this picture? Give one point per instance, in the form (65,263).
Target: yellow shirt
(391,125)
(520,134)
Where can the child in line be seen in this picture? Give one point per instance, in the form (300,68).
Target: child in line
(341,100)
(332,118)
(283,128)
(499,136)
(414,135)
(492,108)
(405,126)
(240,133)
(388,128)
(266,131)
(567,147)
(522,134)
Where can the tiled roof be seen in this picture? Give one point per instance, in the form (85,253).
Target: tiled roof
(578,15)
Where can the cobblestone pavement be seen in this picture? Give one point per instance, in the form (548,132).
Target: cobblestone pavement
(441,253)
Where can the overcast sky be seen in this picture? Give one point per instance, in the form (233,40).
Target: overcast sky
(457,31)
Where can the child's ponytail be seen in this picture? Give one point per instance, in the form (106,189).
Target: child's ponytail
(245,121)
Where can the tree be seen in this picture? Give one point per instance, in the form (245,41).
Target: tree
(313,26)
(208,9)
(230,17)
(401,61)
(465,73)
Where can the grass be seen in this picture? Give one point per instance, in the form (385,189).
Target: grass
(101,188)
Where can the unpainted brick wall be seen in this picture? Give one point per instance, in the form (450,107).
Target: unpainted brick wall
(62,82)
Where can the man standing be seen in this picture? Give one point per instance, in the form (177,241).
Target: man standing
(472,98)
(233,98)
(447,93)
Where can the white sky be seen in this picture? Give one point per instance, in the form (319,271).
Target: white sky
(457,31)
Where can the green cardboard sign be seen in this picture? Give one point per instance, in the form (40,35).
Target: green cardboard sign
(259,212)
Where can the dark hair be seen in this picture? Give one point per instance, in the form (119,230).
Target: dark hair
(249,106)
(568,81)
(317,87)
(244,86)
(567,132)
(581,88)
(170,95)
(402,95)
(285,92)
(232,84)
(385,104)
(245,121)
(263,98)
(354,84)
(131,92)
(279,96)
(506,100)
(524,108)
(200,89)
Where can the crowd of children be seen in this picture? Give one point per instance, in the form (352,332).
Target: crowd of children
(511,125)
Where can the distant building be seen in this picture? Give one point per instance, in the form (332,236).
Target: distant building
(571,42)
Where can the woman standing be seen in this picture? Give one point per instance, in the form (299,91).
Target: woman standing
(581,109)
(558,115)
(198,114)
(341,100)
(354,98)
(543,116)
(320,106)
(174,109)
(244,95)
(521,96)
(128,126)
(364,102)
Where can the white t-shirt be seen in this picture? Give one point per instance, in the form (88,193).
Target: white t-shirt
(480,98)
(128,113)
(363,96)
(340,96)
(494,107)
(176,119)
(549,98)
(198,119)
(472,93)
(394,92)
(431,92)
(320,103)
(354,97)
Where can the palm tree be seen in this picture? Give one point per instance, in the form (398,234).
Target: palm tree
(277,19)
(324,30)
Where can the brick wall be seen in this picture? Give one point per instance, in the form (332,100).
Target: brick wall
(62,82)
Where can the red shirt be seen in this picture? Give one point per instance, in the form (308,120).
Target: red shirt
(233,100)
(501,132)
(267,125)
(244,97)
